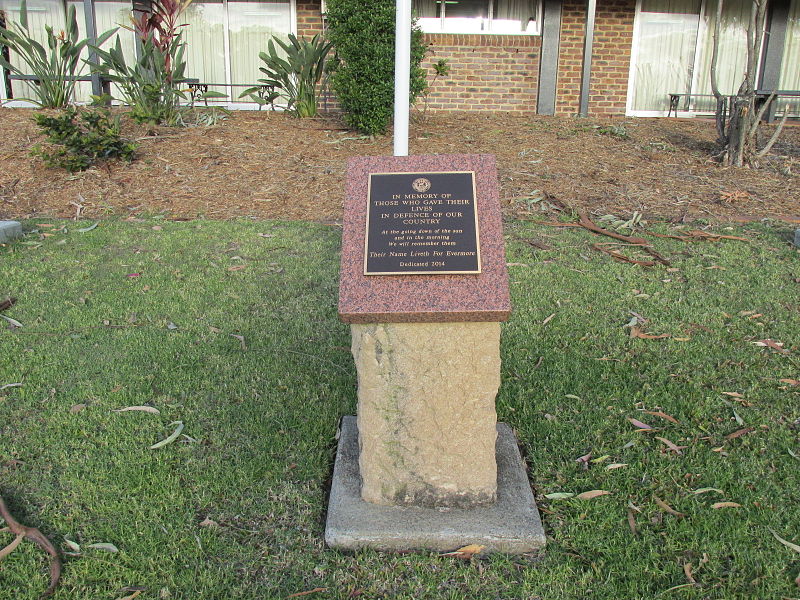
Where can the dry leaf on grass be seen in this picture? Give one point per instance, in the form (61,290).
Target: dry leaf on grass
(76,408)
(687,570)
(667,508)
(739,433)
(208,523)
(658,413)
(171,438)
(592,494)
(790,381)
(726,505)
(559,495)
(773,344)
(466,552)
(636,332)
(147,409)
(131,596)
(676,449)
(706,490)
(639,425)
(616,466)
(237,268)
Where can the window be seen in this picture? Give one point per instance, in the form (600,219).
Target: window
(519,17)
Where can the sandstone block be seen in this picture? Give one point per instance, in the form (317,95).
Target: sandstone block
(426,412)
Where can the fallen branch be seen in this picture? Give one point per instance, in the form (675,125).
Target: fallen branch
(621,257)
(38,538)
(587,223)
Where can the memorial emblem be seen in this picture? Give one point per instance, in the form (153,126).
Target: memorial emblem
(421,184)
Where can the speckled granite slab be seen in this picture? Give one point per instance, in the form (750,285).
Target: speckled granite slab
(423,298)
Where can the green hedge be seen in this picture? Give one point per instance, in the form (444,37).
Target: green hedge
(363,71)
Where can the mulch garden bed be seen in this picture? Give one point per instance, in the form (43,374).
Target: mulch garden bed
(270,165)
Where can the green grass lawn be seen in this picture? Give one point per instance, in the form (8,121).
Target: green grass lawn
(231,329)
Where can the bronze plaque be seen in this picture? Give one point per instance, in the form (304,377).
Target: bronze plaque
(422,224)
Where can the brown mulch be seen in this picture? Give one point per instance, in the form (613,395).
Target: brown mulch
(269,165)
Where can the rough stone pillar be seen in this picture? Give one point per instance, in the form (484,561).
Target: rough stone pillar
(426,412)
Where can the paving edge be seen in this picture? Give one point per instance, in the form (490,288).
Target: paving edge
(511,525)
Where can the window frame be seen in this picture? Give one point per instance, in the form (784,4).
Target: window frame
(424,26)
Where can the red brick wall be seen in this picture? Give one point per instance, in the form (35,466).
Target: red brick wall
(611,55)
(309,18)
(487,72)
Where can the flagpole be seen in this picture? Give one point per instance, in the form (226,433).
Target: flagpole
(402,75)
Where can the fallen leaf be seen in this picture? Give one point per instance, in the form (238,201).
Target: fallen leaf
(658,413)
(706,490)
(632,522)
(671,446)
(616,466)
(790,381)
(636,332)
(74,546)
(466,552)
(115,389)
(786,543)
(592,494)
(559,495)
(215,330)
(241,340)
(739,433)
(208,523)
(725,505)
(638,424)
(9,385)
(171,326)
(171,438)
(687,570)
(732,394)
(237,268)
(157,228)
(772,344)
(131,596)
(13,322)
(572,397)
(548,319)
(89,228)
(105,546)
(133,275)
(148,409)
(667,508)
(76,408)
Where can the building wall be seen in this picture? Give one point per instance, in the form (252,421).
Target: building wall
(487,72)
(501,72)
(309,18)
(611,56)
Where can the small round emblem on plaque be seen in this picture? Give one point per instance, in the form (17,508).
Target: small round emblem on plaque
(421,184)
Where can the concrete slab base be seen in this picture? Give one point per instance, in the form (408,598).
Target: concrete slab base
(9,231)
(510,525)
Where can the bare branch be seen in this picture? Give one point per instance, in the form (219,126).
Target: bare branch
(761,112)
(775,135)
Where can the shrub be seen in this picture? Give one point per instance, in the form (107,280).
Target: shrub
(153,84)
(54,68)
(295,77)
(77,146)
(363,76)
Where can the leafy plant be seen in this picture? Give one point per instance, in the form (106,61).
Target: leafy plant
(76,146)
(363,34)
(54,68)
(441,68)
(616,131)
(295,77)
(153,84)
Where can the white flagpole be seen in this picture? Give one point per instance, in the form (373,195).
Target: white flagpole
(402,74)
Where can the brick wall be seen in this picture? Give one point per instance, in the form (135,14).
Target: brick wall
(309,19)
(487,72)
(611,55)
